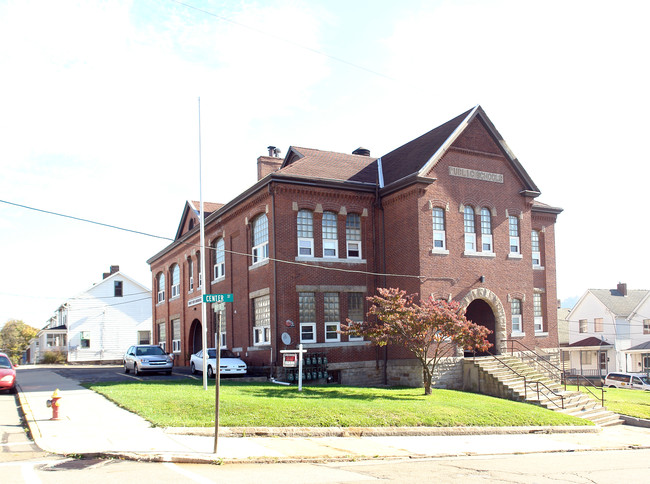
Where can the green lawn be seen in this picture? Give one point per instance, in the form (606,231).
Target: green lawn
(186,404)
(635,403)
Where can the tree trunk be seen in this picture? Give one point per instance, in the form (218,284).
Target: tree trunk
(426,376)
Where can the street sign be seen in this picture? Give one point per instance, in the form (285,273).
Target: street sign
(217,298)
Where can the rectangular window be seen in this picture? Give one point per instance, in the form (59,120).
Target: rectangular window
(582,326)
(307,316)
(439,243)
(176,335)
(305,233)
(513,227)
(537,312)
(330,235)
(486,230)
(117,292)
(260,239)
(144,337)
(646,326)
(515,307)
(190,270)
(219,268)
(85,339)
(262,321)
(162,335)
(355,311)
(55,340)
(534,240)
(470,230)
(353,235)
(598,325)
(332,318)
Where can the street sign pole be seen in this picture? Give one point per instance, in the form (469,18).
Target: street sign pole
(204,315)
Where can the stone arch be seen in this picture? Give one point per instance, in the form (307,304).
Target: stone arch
(500,326)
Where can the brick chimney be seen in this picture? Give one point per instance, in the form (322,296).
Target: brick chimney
(622,288)
(269,164)
(113,270)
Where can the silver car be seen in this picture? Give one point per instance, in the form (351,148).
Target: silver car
(140,358)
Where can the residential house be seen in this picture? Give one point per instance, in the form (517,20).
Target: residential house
(609,330)
(451,214)
(98,325)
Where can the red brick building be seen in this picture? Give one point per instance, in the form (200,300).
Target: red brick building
(451,214)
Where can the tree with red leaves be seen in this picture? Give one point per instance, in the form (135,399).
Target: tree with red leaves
(424,329)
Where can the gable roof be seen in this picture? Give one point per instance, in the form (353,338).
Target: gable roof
(621,306)
(417,157)
(192,206)
(591,342)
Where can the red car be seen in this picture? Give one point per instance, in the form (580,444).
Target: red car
(7,374)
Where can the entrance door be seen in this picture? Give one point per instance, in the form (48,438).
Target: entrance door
(197,336)
(603,364)
(480,312)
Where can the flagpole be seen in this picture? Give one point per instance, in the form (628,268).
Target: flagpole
(204,312)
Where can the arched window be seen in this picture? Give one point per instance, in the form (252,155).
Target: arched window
(161,287)
(486,230)
(515,308)
(305,226)
(198,262)
(176,281)
(470,229)
(439,238)
(534,242)
(353,235)
(260,239)
(330,235)
(190,271)
(219,268)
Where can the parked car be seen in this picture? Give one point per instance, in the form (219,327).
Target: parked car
(229,363)
(627,380)
(141,358)
(7,374)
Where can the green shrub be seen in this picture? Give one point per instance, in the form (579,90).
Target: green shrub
(54,357)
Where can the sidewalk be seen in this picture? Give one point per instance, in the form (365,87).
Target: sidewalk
(91,425)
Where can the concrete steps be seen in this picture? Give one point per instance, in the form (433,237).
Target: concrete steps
(519,381)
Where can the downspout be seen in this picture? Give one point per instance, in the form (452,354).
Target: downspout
(275,280)
(380,184)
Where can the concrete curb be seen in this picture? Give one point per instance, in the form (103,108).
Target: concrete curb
(637,422)
(375,431)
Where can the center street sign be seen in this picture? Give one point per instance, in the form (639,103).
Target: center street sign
(217,298)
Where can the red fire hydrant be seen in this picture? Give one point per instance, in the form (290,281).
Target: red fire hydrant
(54,403)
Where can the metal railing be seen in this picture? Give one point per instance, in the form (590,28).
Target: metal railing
(539,359)
(554,371)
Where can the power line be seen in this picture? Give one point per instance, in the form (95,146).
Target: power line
(282,39)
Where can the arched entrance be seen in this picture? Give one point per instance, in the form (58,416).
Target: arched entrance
(484,307)
(196,333)
(480,312)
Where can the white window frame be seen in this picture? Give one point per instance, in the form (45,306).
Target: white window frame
(438,234)
(161,291)
(514,240)
(646,326)
(262,334)
(353,244)
(536,254)
(305,225)
(312,328)
(469,224)
(176,343)
(538,312)
(219,268)
(486,231)
(332,326)
(221,323)
(176,282)
(583,326)
(331,245)
(517,319)
(355,338)
(162,338)
(190,269)
(261,245)
(598,325)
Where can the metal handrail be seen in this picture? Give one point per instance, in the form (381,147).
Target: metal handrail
(538,359)
(562,372)
(537,382)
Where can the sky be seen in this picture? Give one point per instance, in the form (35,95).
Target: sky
(99,117)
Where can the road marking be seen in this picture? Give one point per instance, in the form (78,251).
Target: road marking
(29,474)
(188,474)
(129,376)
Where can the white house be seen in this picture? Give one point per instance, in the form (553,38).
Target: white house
(99,324)
(609,330)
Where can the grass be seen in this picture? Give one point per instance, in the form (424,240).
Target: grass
(635,403)
(186,404)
